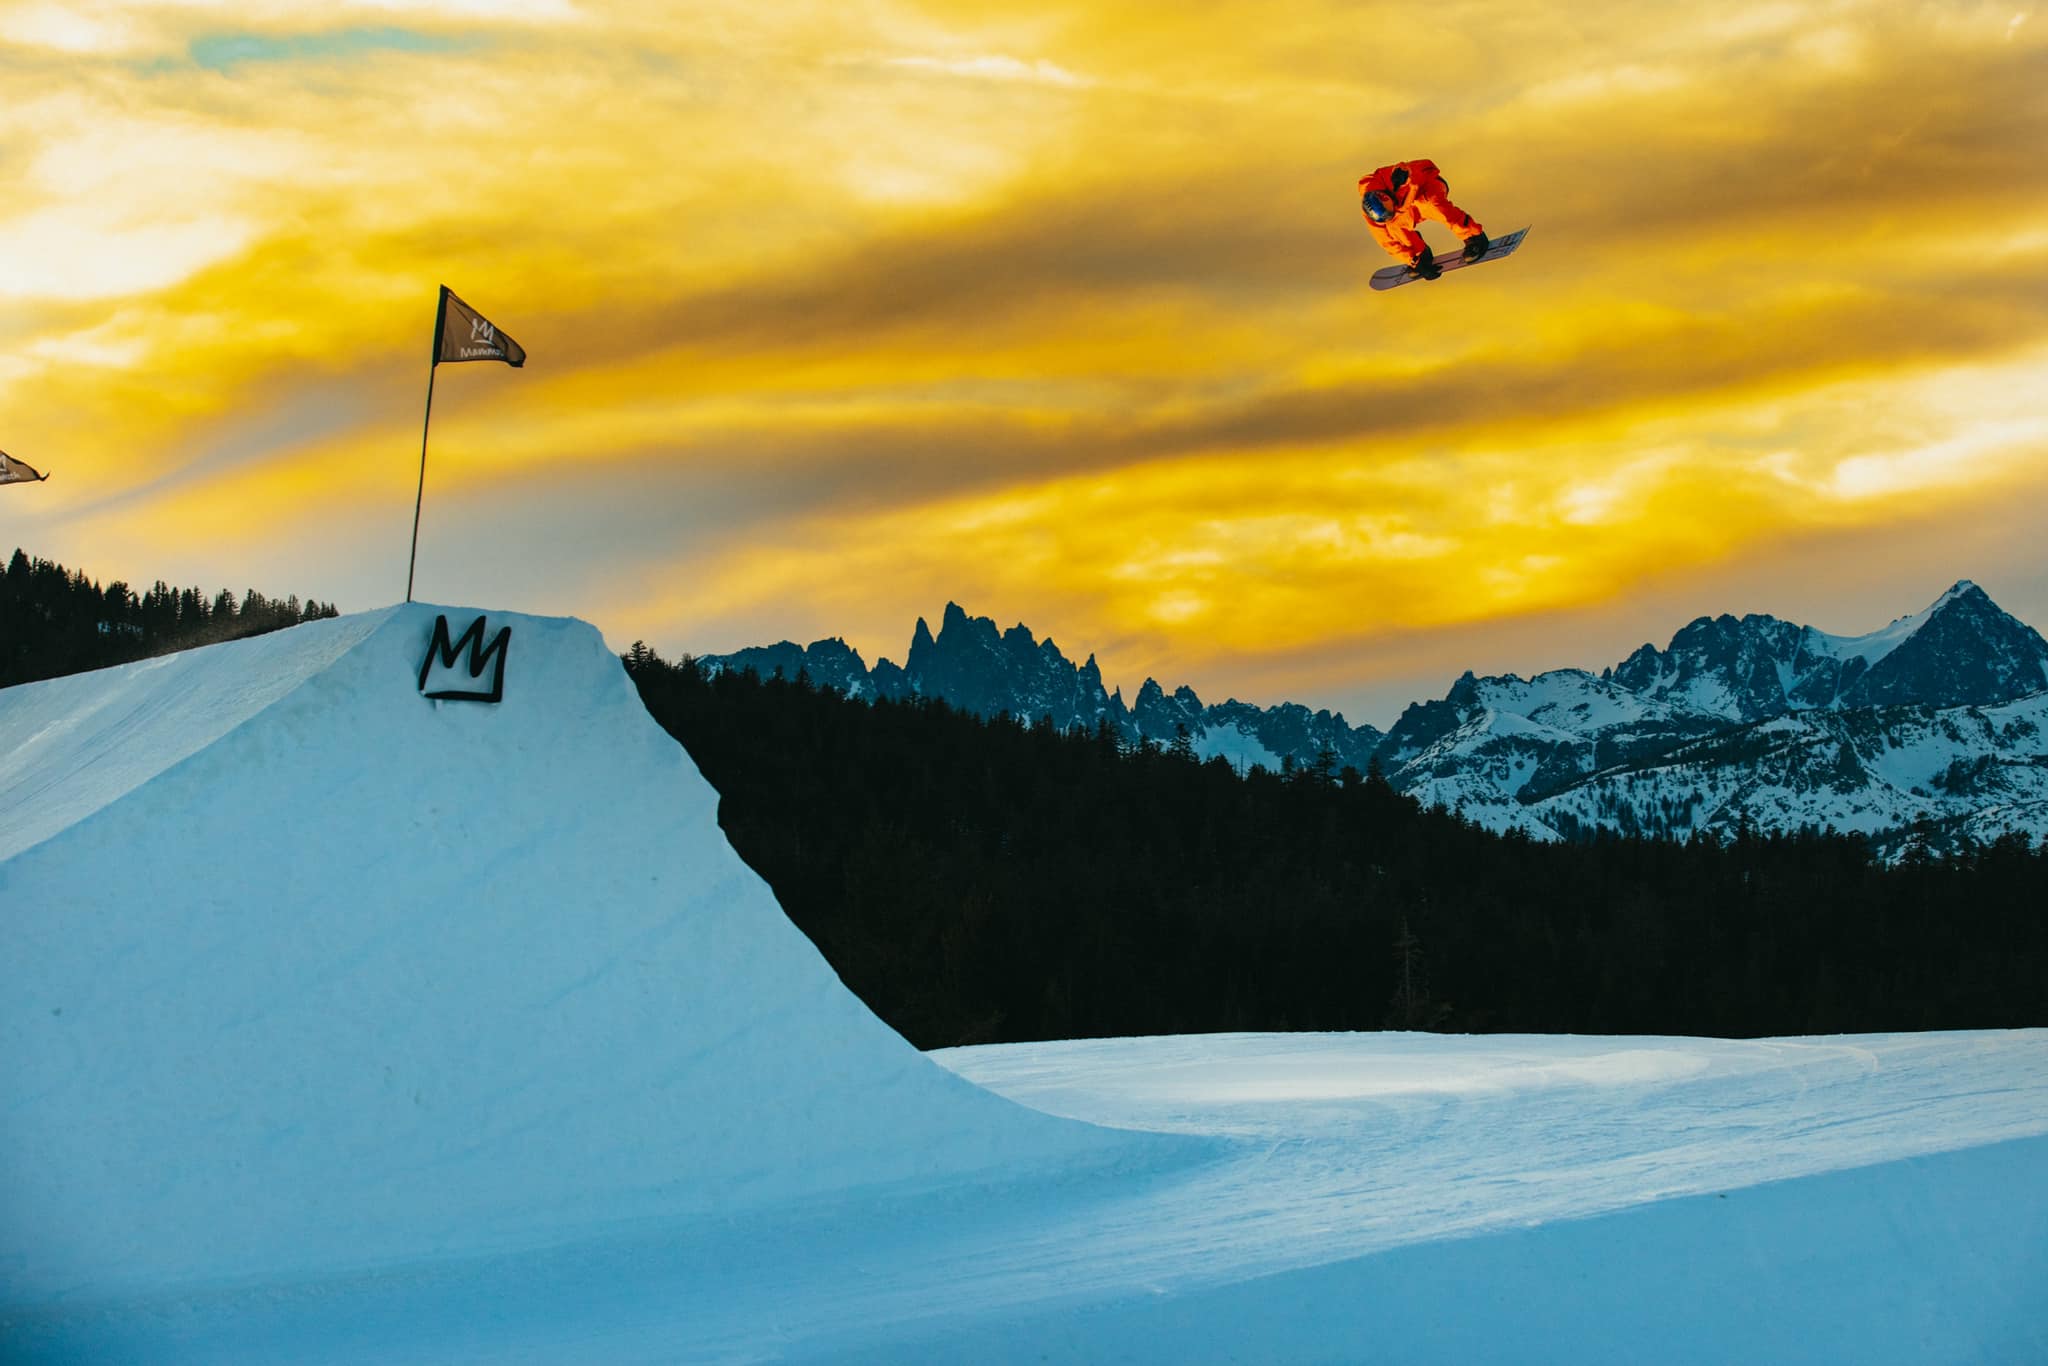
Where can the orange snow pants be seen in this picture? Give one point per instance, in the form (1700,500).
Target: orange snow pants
(1417,191)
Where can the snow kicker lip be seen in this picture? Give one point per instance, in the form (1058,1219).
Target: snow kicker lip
(305,977)
(71,746)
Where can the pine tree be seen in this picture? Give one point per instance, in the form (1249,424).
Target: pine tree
(1411,1007)
(1323,769)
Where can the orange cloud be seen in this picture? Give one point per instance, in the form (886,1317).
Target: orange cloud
(838,312)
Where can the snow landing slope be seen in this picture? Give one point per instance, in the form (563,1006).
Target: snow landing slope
(307,973)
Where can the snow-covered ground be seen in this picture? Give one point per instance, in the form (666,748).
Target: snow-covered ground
(306,973)
(337,1024)
(1351,1198)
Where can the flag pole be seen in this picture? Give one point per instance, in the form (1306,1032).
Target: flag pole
(440,318)
(420,496)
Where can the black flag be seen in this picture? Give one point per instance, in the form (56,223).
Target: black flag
(462,333)
(14,471)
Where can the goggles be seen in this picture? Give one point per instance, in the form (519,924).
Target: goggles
(1377,205)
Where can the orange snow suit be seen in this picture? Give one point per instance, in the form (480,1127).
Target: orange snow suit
(1418,191)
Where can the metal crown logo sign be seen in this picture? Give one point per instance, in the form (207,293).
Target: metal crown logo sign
(457,680)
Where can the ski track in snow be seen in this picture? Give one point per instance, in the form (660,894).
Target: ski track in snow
(1377,1140)
(1315,1155)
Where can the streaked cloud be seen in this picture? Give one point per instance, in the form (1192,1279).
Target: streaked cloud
(839,311)
(992,67)
(224,51)
(62,28)
(72,254)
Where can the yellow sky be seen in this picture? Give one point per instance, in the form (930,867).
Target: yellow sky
(838,311)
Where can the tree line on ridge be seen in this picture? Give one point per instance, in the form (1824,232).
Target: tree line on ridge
(981,880)
(56,621)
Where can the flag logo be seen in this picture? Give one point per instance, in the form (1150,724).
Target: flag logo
(14,471)
(479,340)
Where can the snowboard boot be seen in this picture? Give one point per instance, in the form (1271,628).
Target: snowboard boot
(1426,266)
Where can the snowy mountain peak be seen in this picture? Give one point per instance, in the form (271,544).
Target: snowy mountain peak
(973,666)
(830,663)
(1960,649)
(1963,650)
(1964,596)
(1522,751)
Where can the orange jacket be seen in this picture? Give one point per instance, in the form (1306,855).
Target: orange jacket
(1418,191)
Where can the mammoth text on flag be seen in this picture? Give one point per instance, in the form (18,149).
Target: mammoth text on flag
(461,333)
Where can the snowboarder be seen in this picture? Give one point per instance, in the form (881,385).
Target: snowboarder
(1395,199)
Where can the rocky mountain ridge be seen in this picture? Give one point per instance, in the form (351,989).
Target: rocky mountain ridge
(977,667)
(1932,724)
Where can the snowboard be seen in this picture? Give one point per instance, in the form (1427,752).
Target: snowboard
(1392,277)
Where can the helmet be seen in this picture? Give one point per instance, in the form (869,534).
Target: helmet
(1378,204)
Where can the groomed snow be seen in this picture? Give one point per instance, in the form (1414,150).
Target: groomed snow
(365,1028)
(1362,1197)
(321,975)
(68,748)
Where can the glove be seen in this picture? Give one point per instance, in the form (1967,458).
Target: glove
(1426,266)
(1476,246)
